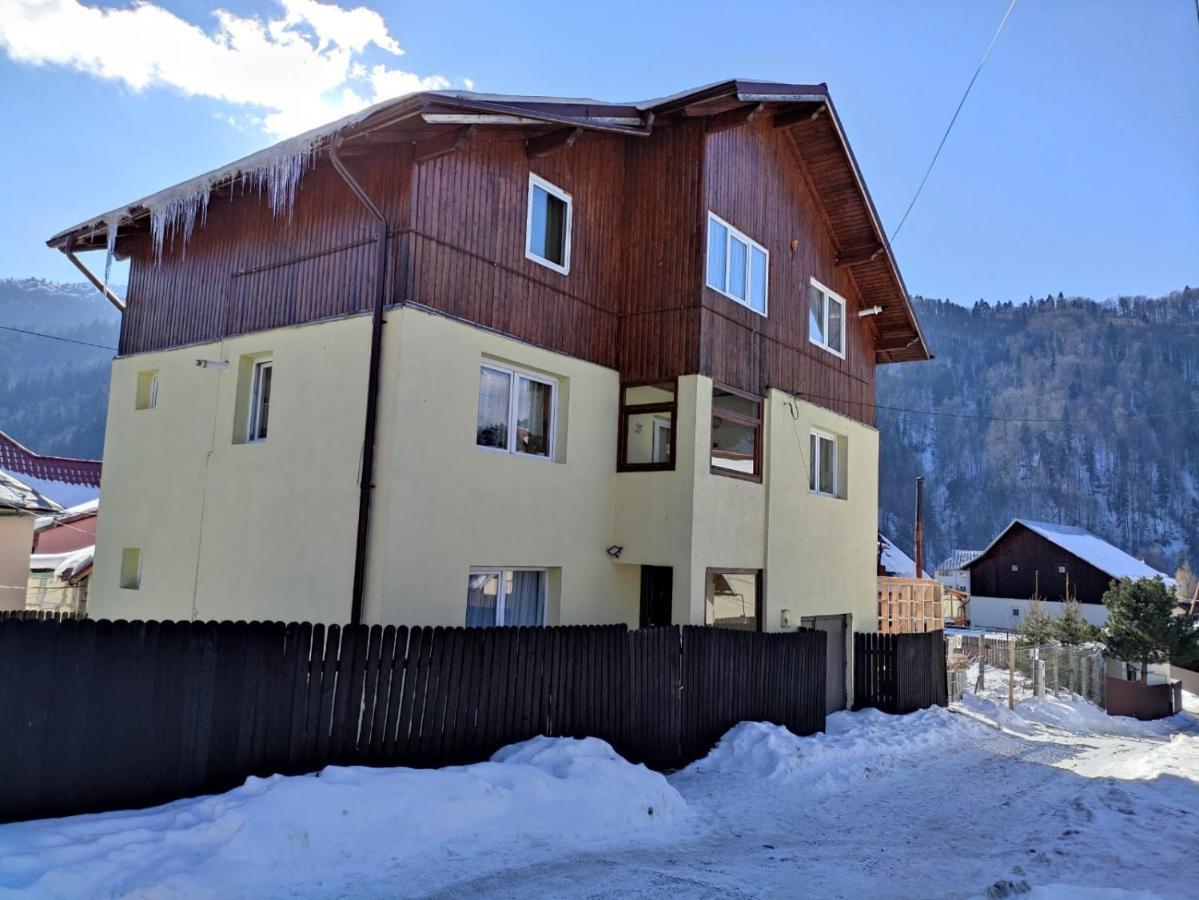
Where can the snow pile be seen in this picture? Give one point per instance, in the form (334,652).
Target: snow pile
(1077,716)
(854,746)
(277,832)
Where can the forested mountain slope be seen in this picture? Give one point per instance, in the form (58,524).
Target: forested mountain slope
(1125,464)
(54,394)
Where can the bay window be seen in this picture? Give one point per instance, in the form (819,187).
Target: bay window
(736,434)
(647,426)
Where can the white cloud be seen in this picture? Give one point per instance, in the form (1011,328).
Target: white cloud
(298,71)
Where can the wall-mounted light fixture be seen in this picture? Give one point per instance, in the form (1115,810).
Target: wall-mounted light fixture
(614,551)
(221,365)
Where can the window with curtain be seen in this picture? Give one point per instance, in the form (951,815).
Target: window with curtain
(547,238)
(496,597)
(738,266)
(736,433)
(517,412)
(647,414)
(826,318)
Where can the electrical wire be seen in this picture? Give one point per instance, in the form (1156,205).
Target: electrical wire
(956,112)
(54,337)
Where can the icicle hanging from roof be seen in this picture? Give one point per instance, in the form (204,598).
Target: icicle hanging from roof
(174,212)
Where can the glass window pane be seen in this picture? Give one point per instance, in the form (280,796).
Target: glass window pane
(812,462)
(738,260)
(647,438)
(816,314)
(735,403)
(641,394)
(836,331)
(547,237)
(717,245)
(492,427)
(828,463)
(731,600)
(733,445)
(757,280)
(524,602)
(481,594)
(262,402)
(534,412)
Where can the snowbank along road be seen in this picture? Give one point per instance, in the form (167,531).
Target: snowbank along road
(1052,800)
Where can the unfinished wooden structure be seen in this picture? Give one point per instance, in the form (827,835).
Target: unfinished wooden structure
(909,605)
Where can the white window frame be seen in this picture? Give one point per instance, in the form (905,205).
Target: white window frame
(735,234)
(152,400)
(814,486)
(822,340)
(499,600)
(254,411)
(554,191)
(514,373)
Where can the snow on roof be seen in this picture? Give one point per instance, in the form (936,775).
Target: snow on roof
(894,561)
(87,508)
(16,494)
(959,559)
(1091,549)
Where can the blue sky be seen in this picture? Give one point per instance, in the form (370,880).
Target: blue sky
(1074,166)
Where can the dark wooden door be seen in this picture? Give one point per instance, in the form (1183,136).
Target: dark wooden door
(657,589)
(834,627)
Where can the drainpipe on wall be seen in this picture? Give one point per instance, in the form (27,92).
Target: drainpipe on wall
(370,425)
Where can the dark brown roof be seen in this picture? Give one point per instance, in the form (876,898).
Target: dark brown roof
(806,111)
(20,460)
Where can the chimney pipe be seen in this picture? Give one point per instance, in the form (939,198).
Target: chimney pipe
(919,526)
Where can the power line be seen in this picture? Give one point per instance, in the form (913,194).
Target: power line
(1011,419)
(949,128)
(55,337)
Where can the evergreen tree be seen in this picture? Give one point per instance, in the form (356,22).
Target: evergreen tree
(1036,625)
(1142,624)
(1071,629)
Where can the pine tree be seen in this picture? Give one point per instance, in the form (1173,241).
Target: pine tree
(1142,624)
(1071,629)
(1036,625)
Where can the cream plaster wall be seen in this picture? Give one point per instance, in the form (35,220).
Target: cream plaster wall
(443,504)
(16,541)
(233,530)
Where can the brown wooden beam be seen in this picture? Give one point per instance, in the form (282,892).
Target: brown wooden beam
(734,118)
(552,142)
(855,256)
(443,145)
(790,117)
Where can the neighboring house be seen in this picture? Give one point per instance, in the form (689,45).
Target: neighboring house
(32,485)
(893,562)
(507,360)
(61,565)
(1052,561)
(953,572)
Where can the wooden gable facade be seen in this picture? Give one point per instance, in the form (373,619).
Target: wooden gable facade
(1021,562)
(453,188)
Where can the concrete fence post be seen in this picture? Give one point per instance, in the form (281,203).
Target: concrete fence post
(1039,679)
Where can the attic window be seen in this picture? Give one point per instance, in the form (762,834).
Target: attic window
(547,236)
(1015,568)
(738,266)
(826,319)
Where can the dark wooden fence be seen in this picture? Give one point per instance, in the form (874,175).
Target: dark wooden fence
(899,673)
(37,614)
(98,715)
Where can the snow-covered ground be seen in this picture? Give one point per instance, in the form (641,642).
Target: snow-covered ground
(1050,800)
